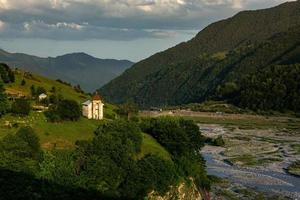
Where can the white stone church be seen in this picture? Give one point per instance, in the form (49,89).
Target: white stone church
(93,109)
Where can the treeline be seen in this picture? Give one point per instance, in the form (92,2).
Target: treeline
(273,88)
(6,76)
(169,81)
(108,165)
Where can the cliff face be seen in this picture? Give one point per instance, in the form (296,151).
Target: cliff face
(183,191)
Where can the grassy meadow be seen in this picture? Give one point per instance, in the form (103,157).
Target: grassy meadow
(38,81)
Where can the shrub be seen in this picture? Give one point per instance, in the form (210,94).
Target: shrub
(21,107)
(3,101)
(28,135)
(68,110)
(23,82)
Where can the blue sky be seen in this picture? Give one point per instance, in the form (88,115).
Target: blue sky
(122,29)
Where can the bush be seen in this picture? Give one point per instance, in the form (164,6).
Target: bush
(21,107)
(21,151)
(3,101)
(218,141)
(68,110)
(23,82)
(28,135)
(52,116)
(65,110)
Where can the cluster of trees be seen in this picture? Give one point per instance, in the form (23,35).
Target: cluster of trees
(7,75)
(3,100)
(108,165)
(21,152)
(182,139)
(62,110)
(166,80)
(273,88)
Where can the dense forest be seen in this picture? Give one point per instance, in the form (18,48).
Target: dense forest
(6,76)
(108,166)
(111,165)
(274,88)
(227,51)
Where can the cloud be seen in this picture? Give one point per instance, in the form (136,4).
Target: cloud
(113,19)
(2,26)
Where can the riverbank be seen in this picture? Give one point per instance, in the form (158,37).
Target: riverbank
(260,171)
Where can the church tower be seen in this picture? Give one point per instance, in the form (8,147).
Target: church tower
(97,107)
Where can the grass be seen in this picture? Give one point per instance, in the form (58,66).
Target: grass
(294,168)
(59,135)
(151,146)
(296,148)
(253,123)
(244,160)
(67,91)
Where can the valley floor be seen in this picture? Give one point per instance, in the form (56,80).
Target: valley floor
(257,152)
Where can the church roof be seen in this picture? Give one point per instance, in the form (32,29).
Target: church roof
(87,103)
(97,97)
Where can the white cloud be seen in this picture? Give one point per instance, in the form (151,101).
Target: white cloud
(2,25)
(67,17)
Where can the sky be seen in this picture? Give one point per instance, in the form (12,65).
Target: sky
(121,29)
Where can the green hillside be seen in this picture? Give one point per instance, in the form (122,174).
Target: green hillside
(223,52)
(65,90)
(77,68)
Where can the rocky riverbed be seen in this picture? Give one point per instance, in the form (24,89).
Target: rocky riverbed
(254,159)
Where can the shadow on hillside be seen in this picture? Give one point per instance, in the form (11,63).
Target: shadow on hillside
(16,185)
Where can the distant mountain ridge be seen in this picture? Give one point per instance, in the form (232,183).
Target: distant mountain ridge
(77,68)
(225,51)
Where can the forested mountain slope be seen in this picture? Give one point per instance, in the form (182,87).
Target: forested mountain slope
(223,52)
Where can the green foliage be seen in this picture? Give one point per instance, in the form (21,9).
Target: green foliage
(64,110)
(128,110)
(59,167)
(6,74)
(219,141)
(21,107)
(40,90)
(20,152)
(228,90)
(274,88)
(176,135)
(183,140)
(294,168)
(23,82)
(151,173)
(3,101)
(68,110)
(109,164)
(191,73)
(28,135)
(33,90)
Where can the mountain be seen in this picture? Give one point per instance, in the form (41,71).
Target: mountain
(77,68)
(225,51)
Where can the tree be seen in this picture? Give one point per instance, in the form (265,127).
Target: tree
(53,99)
(11,76)
(28,135)
(53,89)
(68,110)
(21,107)
(23,82)
(3,101)
(40,90)
(128,110)
(33,90)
